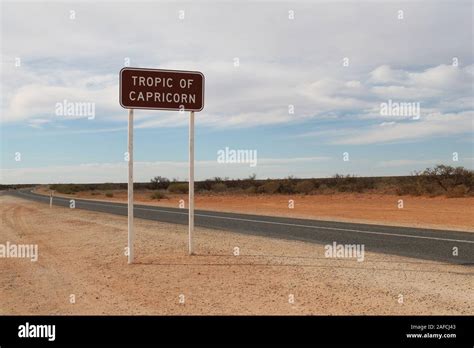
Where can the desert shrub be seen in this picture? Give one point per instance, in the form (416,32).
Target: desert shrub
(316,183)
(205,185)
(248,182)
(219,187)
(105,187)
(431,189)
(458,191)
(157,195)
(270,187)
(342,188)
(322,188)
(95,193)
(288,185)
(251,190)
(159,182)
(339,180)
(363,184)
(74,188)
(305,187)
(66,188)
(448,178)
(334,181)
(408,189)
(109,194)
(178,187)
(208,184)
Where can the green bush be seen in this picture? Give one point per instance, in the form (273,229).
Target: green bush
(251,190)
(158,195)
(322,187)
(305,187)
(288,185)
(66,188)
(177,187)
(109,194)
(408,189)
(159,182)
(270,187)
(364,185)
(219,187)
(448,178)
(457,191)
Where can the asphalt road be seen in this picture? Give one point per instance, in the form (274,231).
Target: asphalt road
(428,244)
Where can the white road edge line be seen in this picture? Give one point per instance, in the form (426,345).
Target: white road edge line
(287,224)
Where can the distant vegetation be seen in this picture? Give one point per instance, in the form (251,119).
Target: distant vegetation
(18,186)
(159,182)
(440,180)
(74,188)
(178,187)
(158,195)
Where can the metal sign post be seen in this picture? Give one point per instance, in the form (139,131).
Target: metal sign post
(191,181)
(130,186)
(158,89)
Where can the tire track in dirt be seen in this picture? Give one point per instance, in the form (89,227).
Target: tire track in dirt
(21,228)
(51,274)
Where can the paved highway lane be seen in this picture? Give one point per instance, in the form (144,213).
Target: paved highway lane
(420,243)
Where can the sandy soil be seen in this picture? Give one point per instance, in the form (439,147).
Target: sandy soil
(82,253)
(426,212)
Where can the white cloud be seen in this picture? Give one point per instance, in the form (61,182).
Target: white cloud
(433,125)
(79,61)
(39,93)
(412,163)
(433,85)
(385,74)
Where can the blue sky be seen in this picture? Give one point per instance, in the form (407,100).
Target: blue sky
(74,52)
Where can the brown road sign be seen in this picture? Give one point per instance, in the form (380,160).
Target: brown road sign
(161,89)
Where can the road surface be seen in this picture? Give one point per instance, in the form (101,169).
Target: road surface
(428,244)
